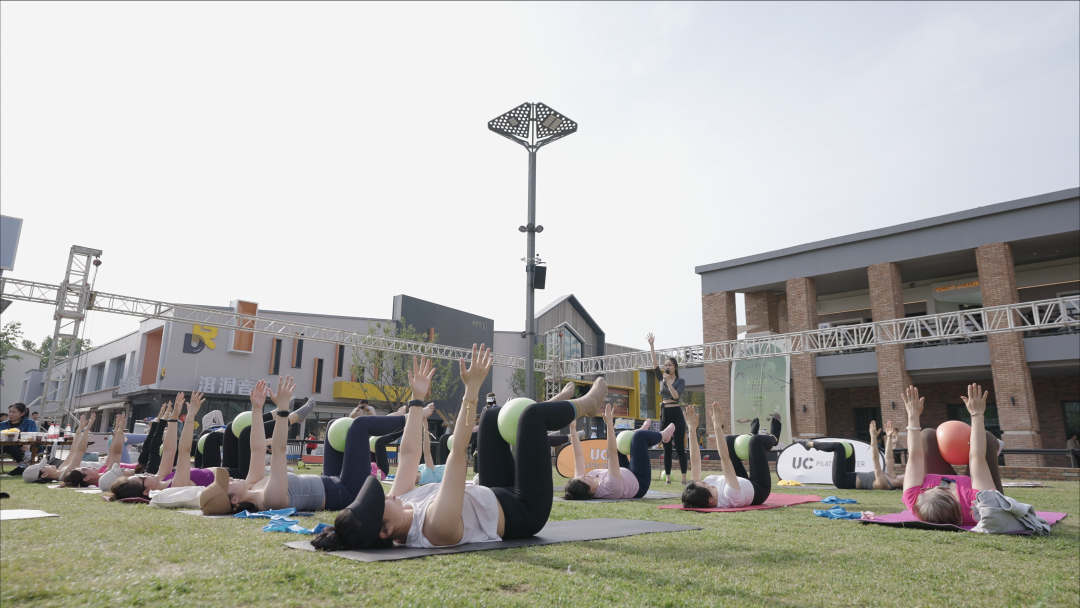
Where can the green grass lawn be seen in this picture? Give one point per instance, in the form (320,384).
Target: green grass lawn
(102,554)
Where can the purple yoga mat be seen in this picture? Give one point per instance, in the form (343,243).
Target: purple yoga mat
(907,520)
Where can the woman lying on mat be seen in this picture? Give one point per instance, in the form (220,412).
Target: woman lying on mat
(932,489)
(89,473)
(43,472)
(344,473)
(140,485)
(845,477)
(630,479)
(734,488)
(513,498)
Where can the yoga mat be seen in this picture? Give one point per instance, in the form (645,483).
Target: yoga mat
(906,519)
(553,532)
(6,514)
(772,502)
(1023,484)
(650,495)
(88,491)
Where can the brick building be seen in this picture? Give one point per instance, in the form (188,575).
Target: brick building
(1017,251)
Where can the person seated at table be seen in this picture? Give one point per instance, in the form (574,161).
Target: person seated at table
(18,419)
(631,479)
(734,488)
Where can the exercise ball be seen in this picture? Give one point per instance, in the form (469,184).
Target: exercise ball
(848,450)
(742,447)
(372,440)
(508,418)
(202,442)
(160,449)
(241,422)
(954,441)
(338,431)
(623,441)
(450,443)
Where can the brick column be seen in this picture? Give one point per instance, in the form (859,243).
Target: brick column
(1015,396)
(781,313)
(762,311)
(802,308)
(718,316)
(887,302)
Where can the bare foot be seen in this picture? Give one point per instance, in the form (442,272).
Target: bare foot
(566,394)
(645,425)
(590,404)
(668,432)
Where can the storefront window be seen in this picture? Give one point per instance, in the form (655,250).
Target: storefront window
(990,418)
(695,399)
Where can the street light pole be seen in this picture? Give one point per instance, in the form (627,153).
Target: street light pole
(532,125)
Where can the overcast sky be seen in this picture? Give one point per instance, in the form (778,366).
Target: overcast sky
(324,157)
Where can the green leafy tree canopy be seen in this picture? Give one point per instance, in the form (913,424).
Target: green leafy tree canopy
(384,376)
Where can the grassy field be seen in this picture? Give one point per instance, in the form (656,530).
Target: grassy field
(102,554)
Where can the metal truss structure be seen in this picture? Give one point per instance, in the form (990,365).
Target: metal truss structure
(73,298)
(944,328)
(70,298)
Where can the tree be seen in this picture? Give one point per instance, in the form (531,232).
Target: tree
(517,379)
(8,336)
(61,351)
(384,376)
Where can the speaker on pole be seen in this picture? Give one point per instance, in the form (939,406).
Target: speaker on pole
(539,277)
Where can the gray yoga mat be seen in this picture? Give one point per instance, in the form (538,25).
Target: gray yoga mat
(650,495)
(553,532)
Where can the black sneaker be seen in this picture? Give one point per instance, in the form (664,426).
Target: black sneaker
(17,471)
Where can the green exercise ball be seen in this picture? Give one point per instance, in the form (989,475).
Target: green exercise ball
(338,431)
(241,422)
(450,443)
(508,418)
(161,449)
(623,441)
(202,442)
(372,440)
(742,447)
(847,449)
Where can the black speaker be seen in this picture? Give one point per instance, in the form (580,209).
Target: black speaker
(539,277)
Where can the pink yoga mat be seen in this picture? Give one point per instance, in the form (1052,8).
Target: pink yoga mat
(774,501)
(906,519)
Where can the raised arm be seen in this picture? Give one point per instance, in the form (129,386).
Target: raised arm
(725,457)
(672,382)
(276,492)
(415,428)
(890,445)
(579,456)
(652,349)
(443,525)
(978,468)
(116,447)
(614,470)
(879,476)
(257,435)
(425,437)
(695,452)
(168,451)
(183,459)
(75,454)
(916,464)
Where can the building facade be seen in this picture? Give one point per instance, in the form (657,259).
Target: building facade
(1018,251)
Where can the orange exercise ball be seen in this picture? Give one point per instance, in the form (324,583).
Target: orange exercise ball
(954,441)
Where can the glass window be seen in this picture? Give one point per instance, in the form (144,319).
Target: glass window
(1072,417)
(959,412)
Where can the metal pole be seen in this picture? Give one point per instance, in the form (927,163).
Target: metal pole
(530,268)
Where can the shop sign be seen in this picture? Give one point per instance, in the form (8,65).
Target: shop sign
(957,286)
(201,337)
(594,450)
(225,386)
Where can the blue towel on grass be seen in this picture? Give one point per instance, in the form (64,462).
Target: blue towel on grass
(271,513)
(284,524)
(832,500)
(837,513)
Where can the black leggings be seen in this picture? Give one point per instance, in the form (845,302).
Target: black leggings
(674,415)
(522,485)
(149,456)
(381,459)
(224,449)
(843,469)
(344,473)
(759,476)
(639,463)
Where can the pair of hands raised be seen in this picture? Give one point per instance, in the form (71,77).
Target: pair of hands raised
(473,375)
(975,400)
(281,398)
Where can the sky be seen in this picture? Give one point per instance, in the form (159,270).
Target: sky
(324,157)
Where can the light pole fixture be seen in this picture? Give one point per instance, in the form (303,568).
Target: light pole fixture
(533,125)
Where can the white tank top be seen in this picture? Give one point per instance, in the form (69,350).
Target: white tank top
(479,514)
